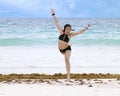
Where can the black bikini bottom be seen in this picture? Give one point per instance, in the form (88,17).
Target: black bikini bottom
(64,50)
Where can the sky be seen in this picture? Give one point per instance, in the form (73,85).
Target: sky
(63,8)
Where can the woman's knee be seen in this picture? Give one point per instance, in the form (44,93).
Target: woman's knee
(66,59)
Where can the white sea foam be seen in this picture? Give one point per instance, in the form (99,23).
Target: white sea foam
(48,59)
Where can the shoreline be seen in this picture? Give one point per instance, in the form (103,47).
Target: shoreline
(13,76)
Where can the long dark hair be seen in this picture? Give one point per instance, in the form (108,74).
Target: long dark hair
(66,25)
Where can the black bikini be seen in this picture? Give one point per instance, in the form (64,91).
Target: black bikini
(64,38)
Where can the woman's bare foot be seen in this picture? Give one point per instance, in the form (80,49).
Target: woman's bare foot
(68,79)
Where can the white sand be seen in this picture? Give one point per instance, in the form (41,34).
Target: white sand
(107,88)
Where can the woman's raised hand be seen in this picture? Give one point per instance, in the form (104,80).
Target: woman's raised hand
(52,11)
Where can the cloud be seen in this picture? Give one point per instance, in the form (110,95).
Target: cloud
(84,14)
(30,8)
(112,10)
(71,4)
(22,4)
(65,8)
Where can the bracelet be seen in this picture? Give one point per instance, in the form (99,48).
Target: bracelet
(53,14)
(86,28)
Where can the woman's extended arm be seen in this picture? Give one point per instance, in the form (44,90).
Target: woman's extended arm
(81,31)
(56,21)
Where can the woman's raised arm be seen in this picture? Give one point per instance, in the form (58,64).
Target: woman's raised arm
(56,21)
(80,31)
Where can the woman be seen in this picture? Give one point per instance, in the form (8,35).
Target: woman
(64,37)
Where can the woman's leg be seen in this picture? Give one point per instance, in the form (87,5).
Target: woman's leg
(67,61)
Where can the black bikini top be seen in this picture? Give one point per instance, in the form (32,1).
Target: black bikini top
(64,37)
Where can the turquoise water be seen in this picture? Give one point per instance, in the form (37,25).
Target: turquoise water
(30,45)
(27,32)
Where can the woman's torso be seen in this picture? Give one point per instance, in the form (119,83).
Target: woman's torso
(63,41)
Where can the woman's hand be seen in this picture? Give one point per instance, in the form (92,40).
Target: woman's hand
(52,11)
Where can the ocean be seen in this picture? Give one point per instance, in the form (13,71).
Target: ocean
(30,46)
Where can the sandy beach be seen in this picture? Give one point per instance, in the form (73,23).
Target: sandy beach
(60,87)
(32,32)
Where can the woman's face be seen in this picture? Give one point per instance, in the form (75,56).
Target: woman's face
(67,30)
